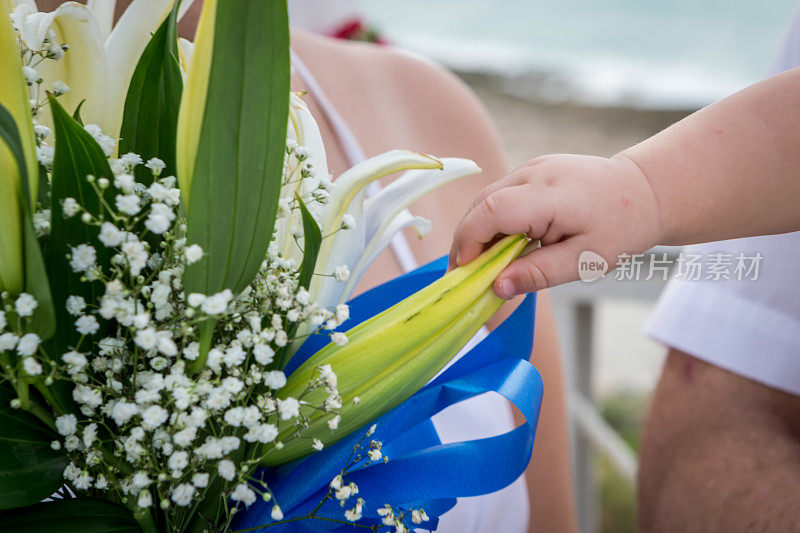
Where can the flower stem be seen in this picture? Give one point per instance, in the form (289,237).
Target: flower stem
(143,517)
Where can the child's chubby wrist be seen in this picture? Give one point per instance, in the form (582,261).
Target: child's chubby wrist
(653,227)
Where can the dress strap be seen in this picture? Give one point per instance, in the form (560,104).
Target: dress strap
(353,152)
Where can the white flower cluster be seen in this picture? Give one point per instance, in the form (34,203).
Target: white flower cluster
(173,428)
(367,451)
(34,55)
(151,425)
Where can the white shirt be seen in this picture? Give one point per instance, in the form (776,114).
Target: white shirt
(749,327)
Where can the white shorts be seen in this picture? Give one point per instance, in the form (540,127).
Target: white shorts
(749,327)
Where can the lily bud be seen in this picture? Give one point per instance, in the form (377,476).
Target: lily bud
(193,101)
(14,97)
(395,353)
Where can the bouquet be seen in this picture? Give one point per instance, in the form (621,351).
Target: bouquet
(171,247)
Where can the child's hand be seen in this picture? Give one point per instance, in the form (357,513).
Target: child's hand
(571,203)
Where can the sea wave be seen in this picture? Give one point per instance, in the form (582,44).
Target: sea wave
(590,78)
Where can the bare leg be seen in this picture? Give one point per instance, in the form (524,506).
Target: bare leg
(719,453)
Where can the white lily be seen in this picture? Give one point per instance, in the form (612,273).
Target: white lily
(102,55)
(377,219)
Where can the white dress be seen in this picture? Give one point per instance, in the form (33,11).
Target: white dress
(505,511)
(749,327)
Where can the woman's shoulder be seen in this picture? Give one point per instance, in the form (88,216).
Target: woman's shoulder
(420,100)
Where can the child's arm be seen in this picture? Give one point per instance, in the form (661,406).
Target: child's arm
(729,170)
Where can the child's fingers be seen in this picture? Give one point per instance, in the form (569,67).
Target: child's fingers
(508,211)
(510,180)
(544,267)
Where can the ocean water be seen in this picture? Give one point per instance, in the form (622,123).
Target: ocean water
(643,53)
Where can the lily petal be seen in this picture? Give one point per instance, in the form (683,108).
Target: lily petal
(185,51)
(414,184)
(346,199)
(376,245)
(83,67)
(103,11)
(193,101)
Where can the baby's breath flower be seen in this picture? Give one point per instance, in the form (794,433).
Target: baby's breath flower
(178,460)
(348,222)
(124,182)
(200,480)
(76,362)
(217,304)
(70,207)
(45,154)
(145,499)
(263,354)
(354,514)
(276,513)
(123,411)
(31,366)
(8,341)
(32,76)
(341,273)
(154,416)
(128,203)
(339,338)
(243,493)
(159,219)
(155,165)
(66,424)
(75,305)
(25,304)
(193,253)
(59,87)
(226,469)
(275,379)
(288,408)
(107,144)
(41,131)
(333,423)
(87,325)
(419,516)
(110,235)
(83,257)
(28,344)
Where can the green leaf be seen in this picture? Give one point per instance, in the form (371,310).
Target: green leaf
(312,239)
(236,177)
(29,469)
(77,515)
(77,155)
(77,114)
(10,135)
(150,117)
(36,282)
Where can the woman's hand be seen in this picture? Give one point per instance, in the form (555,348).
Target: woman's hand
(572,204)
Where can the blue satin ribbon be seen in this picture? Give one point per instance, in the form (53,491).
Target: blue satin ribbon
(421,471)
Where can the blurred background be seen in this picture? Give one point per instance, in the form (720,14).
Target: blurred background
(591,77)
